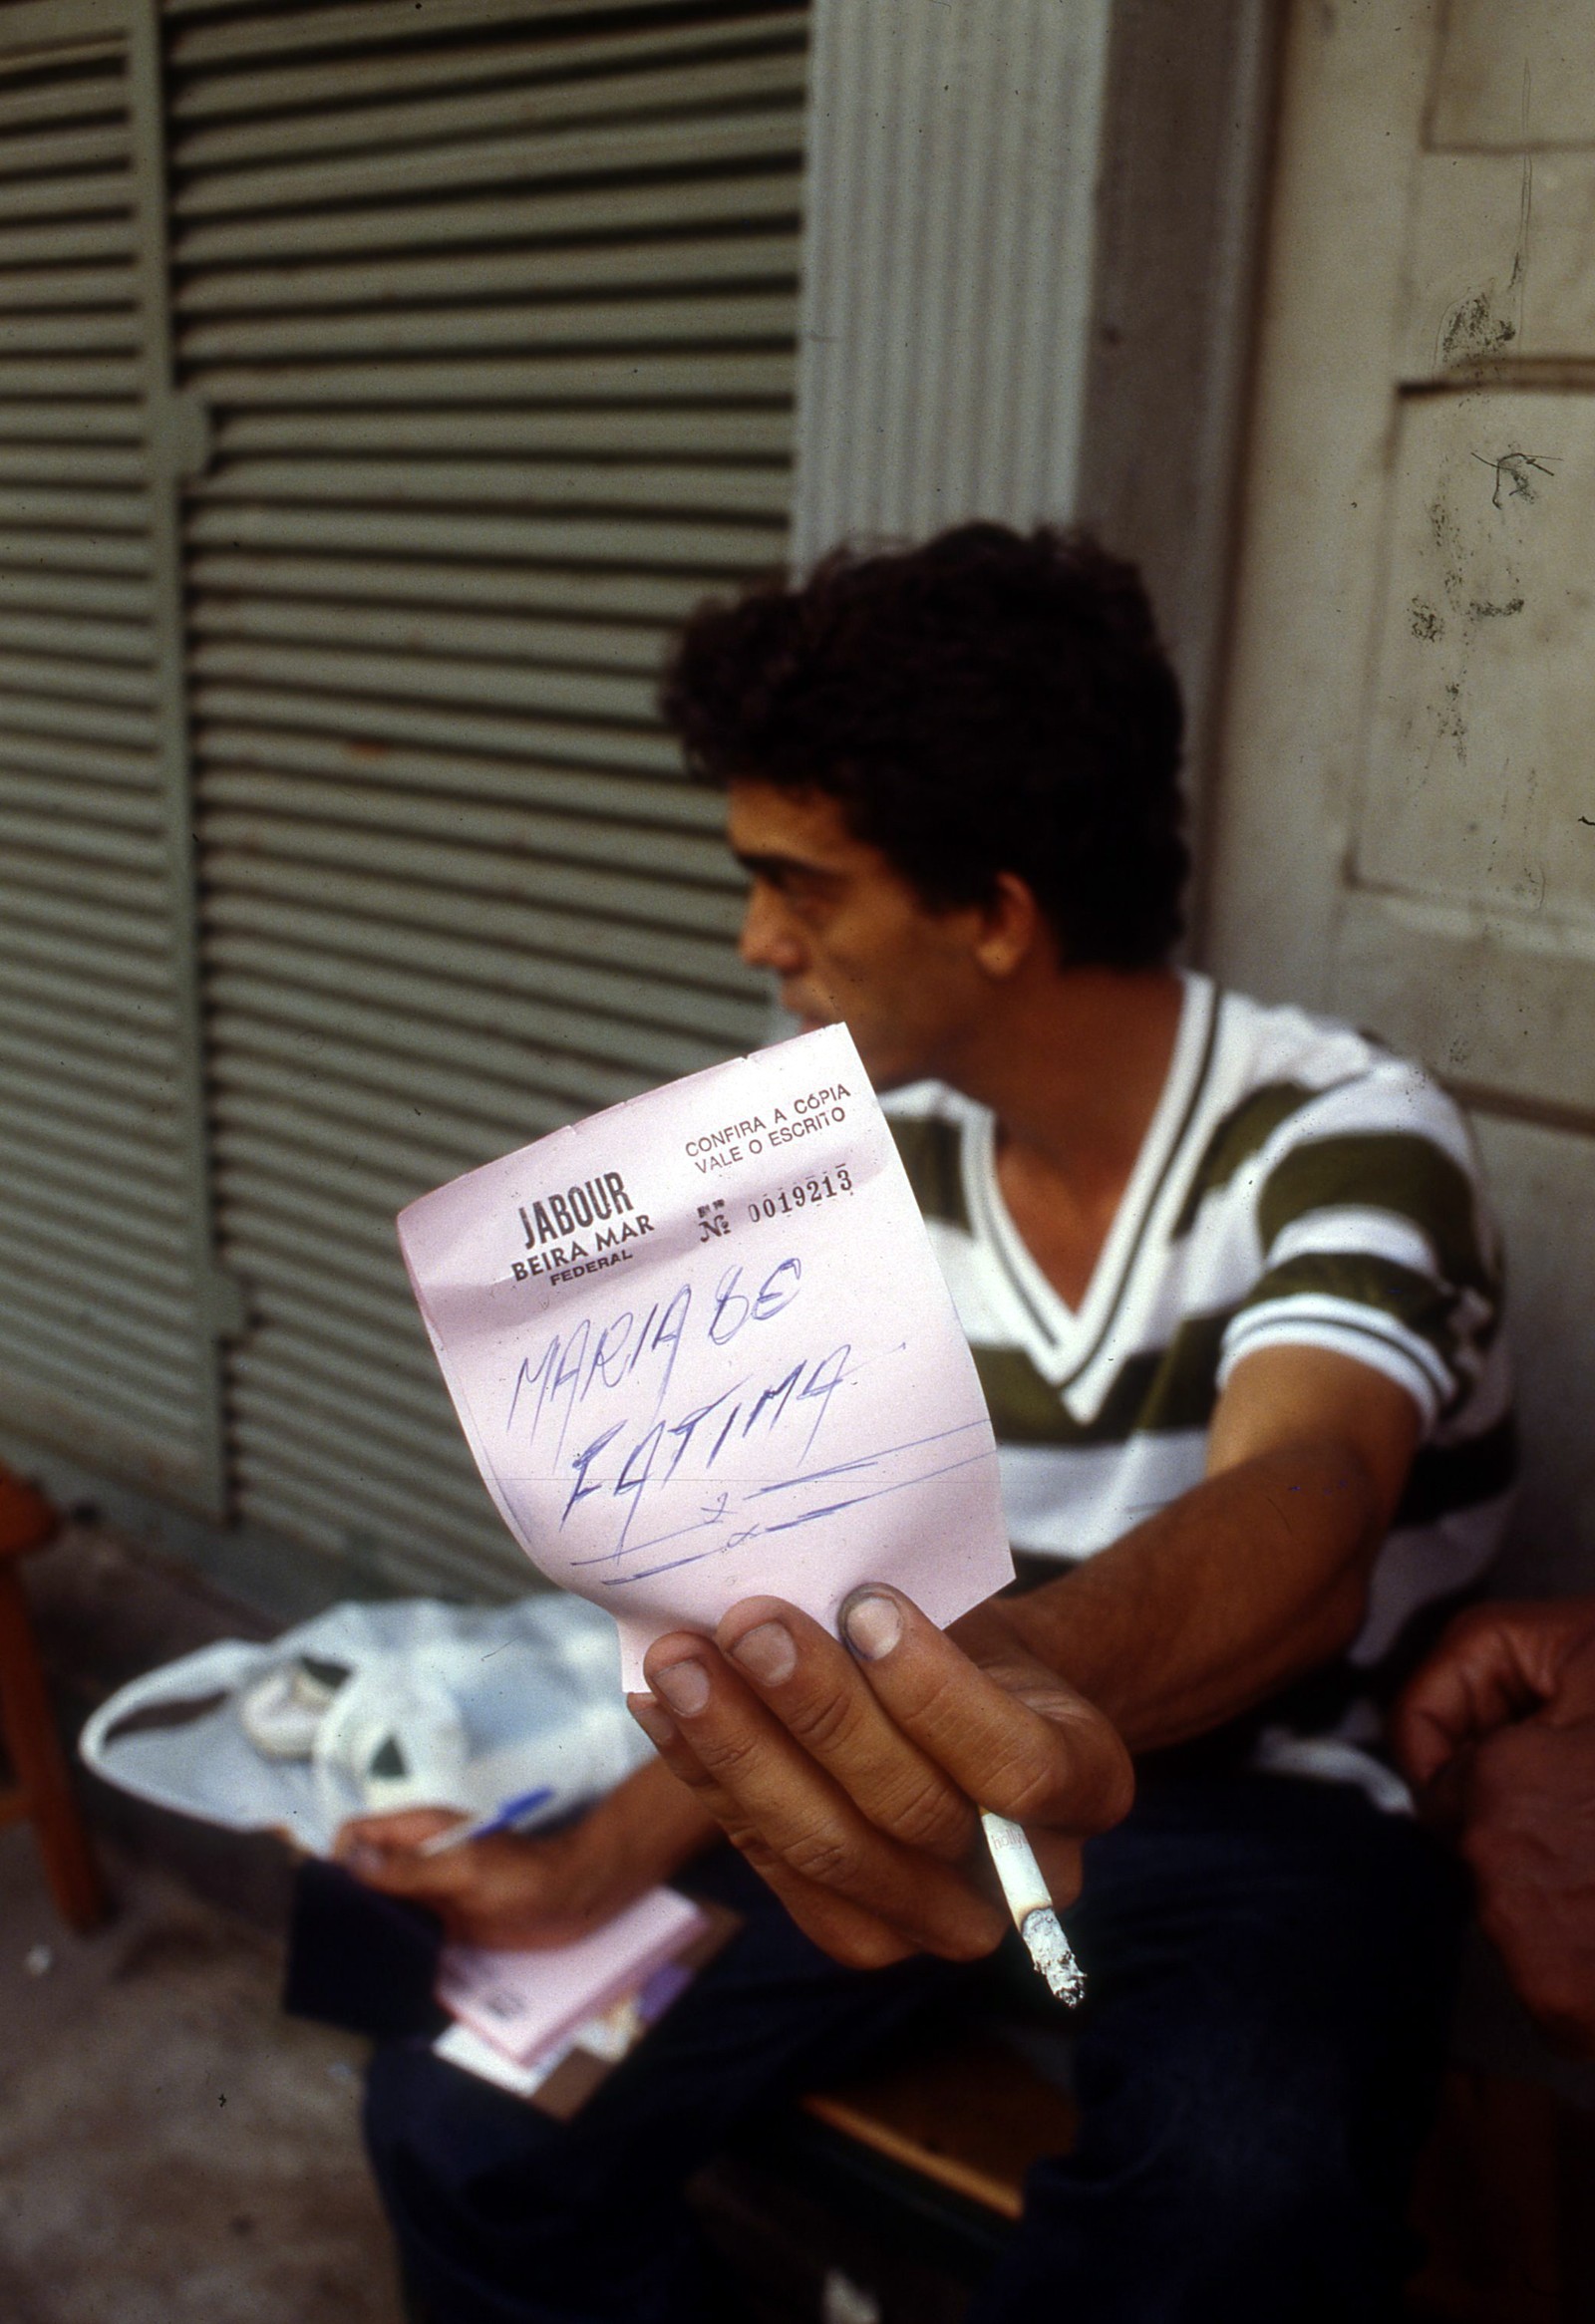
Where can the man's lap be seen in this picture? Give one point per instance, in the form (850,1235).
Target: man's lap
(1267,1961)
(1271,1971)
(487,2194)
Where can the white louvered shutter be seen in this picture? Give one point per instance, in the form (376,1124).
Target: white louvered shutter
(492,306)
(106,1285)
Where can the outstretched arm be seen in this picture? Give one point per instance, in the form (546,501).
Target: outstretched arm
(851,1781)
(1255,1576)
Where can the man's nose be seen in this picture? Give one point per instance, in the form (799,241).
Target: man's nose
(768,940)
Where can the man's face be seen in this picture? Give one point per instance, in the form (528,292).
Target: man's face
(850,940)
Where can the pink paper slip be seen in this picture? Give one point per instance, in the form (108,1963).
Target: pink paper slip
(527,2003)
(701,1349)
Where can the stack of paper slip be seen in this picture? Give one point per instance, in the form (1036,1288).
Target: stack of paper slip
(517,2014)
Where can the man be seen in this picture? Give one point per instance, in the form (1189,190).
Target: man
(1496,1734)
(1234,1298)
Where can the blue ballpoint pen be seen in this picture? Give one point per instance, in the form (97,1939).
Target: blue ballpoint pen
(503,1818)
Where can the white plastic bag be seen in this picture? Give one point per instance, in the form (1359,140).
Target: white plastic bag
(532,1691)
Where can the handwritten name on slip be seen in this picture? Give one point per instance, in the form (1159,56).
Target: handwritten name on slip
(701,1348)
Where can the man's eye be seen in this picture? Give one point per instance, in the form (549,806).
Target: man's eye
(808,898)
(807,893)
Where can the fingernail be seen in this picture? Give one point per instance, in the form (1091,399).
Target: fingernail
(872,1625)
(362,1860)
(684,1685)
(767,1652)
(655,1723)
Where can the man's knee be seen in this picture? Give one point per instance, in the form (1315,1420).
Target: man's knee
(1232,2110)
(501,2212)
(443,2142)
(1269,2176)
(1227,2203)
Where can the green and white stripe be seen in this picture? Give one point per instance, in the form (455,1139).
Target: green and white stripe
(1298,1186)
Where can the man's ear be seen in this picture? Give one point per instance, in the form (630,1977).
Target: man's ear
(1013,925)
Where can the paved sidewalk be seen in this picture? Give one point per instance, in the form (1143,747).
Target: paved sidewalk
(172,2150)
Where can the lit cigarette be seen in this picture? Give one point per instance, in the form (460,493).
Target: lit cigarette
(1032,1908)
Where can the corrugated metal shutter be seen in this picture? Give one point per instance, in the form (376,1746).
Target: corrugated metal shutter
(105,1344)
(494,306)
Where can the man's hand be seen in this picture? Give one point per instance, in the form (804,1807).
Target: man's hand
(853,1785)
(523,1893)
(854,1782)
(1496,1733)
(1495,1665)
(505,1891)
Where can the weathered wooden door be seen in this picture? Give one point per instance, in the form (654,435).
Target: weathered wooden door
(1407,829)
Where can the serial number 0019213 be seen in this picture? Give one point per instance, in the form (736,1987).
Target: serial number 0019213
(798,1197)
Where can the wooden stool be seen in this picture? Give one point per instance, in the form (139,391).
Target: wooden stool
(966,2114)
(42,1791)
(902,2181)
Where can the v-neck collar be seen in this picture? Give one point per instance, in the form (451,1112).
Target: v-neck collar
(1064,1341)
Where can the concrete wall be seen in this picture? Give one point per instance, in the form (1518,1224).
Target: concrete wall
(1399,832)
(1026,284)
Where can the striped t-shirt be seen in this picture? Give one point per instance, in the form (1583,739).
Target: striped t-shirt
(1298,1185)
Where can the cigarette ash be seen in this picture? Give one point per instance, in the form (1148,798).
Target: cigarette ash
(1053,1955)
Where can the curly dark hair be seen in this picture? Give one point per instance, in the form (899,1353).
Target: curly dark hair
(990,701)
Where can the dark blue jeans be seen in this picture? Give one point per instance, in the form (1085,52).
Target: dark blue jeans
(1270,1966)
